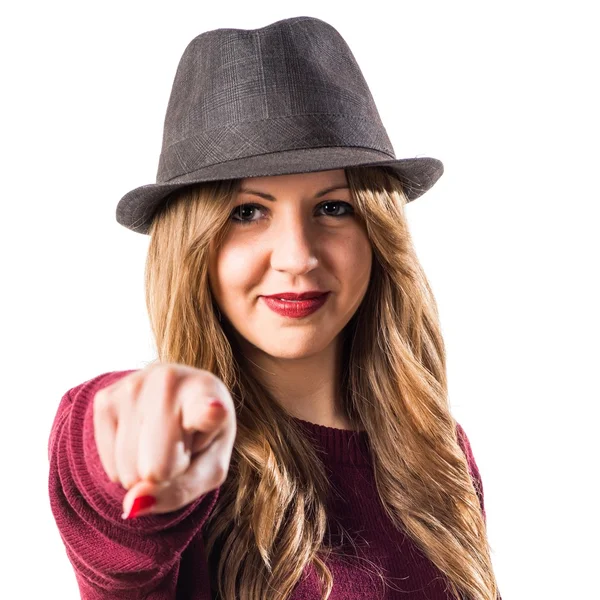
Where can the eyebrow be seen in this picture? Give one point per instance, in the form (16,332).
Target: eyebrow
(273,199)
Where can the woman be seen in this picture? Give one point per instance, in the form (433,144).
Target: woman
(330,465)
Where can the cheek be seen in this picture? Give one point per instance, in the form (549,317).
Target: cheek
(354,258)
(234,267)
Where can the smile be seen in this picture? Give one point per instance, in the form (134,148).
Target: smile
(295,309)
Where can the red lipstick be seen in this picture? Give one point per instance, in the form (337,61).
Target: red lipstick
(295,309)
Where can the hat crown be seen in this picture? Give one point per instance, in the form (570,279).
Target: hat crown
(285,98)
(244,92)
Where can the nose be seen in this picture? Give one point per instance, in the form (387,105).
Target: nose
(293,245)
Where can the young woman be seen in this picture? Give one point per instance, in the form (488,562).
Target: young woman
(294,438)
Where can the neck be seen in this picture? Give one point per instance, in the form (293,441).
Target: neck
(306,387)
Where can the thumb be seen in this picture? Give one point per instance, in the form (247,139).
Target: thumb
(142,498)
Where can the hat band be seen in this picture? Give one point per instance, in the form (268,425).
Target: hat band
(252,138)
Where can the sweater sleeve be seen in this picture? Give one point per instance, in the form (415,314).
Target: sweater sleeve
(112,558)
(463,440)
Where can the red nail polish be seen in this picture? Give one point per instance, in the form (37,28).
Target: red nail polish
(139,504)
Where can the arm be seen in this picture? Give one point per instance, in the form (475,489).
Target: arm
(463,440)
(112,558)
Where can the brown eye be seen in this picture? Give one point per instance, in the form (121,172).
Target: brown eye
(244,210)
(243,213)
(335,205)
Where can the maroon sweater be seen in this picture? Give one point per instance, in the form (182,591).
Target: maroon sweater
(161,557)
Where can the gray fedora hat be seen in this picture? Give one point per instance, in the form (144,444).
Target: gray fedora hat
(285,98)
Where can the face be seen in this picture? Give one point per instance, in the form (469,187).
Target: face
(291,235)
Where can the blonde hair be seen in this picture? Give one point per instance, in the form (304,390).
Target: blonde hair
(270,521)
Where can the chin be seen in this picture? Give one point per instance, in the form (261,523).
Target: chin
(290,354)
(290,350)
(285,343)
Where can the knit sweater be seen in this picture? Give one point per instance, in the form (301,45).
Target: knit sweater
(161,557)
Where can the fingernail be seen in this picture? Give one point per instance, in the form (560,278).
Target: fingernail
(215,403)
(139,504)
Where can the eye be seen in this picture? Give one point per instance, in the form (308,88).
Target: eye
(336,204)
(332,206)
(244,210)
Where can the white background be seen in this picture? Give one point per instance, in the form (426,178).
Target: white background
(504,93)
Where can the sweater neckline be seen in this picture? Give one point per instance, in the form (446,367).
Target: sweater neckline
(341,446)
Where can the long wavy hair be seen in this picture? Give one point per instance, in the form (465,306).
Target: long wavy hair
(271,519)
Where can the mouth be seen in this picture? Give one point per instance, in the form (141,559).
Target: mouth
(296,308)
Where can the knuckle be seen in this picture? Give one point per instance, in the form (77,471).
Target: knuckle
(222,388)
(180,495)
(117,392)
(131,385)
(167,370)
(207,378)
(167,376)
(203,387)
(195,399)
(128,482)
(101,400)
(114,478)
(159,473)
(196,386)
(219,473)
(155,474)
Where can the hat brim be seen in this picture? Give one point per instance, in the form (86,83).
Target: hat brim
(136,209)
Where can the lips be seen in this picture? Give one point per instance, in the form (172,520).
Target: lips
(293,296)
(295,308)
